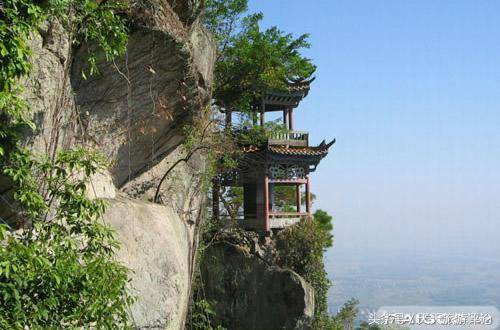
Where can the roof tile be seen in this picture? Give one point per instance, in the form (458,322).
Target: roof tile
(299,151)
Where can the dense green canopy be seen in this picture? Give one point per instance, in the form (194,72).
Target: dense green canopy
(251,61)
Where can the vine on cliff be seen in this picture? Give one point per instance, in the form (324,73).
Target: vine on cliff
(59,269)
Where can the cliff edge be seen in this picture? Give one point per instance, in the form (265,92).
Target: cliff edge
(135,111)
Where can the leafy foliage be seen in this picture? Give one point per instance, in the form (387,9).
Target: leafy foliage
(59,270)
(232,201)
(18,20)
(202,316)
(325,222)
(251,61)
(301,249)
(248,134)
(224,18)
(202,136)
(347,314)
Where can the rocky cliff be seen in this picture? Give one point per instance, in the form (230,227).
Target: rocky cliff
(134,112)
(247,290)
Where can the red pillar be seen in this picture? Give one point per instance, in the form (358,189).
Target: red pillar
(308,198)
(266,203)
(299,198)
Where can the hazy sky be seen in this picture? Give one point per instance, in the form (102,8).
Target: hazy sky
(411,91)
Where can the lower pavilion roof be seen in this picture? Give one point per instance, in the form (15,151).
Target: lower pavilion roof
(321,149)
(289,154)
(257,158)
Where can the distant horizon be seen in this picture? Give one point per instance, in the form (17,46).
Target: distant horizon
(414,280)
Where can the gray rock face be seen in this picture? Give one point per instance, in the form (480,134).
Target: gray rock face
(155,246)
(158,241)
(136,108)
(48,91)
(187,10)
(134,112)
(247,293)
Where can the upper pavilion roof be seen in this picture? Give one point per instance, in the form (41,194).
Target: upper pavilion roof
(297,89)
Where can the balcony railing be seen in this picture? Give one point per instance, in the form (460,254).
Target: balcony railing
(282,219)
(290,138)
(276,220)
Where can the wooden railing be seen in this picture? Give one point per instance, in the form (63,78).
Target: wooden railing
(290,138)
(277,220)
(285,219)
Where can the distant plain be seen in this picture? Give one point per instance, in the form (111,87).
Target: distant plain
(378,280)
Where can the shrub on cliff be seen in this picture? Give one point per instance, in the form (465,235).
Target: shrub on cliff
(301,249)
(59,271)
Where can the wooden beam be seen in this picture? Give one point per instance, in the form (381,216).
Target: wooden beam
(293,102)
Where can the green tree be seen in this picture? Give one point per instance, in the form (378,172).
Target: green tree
(325,222)
(347,314)
(251,61)
(301,249)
